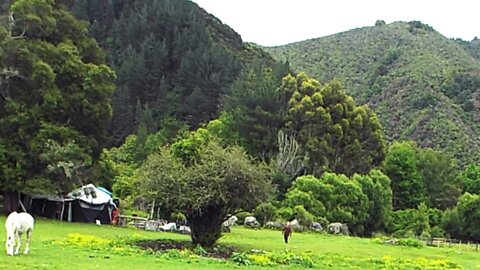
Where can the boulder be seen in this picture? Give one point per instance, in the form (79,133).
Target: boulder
(316,226)
(274,225)
(337,228)
(152,225)
(251,222)
(296,226)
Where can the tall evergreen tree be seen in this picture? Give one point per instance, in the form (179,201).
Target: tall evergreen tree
(401,166)
(439,173)
(257,107)
(334,133)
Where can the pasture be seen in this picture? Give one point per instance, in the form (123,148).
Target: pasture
(59,245)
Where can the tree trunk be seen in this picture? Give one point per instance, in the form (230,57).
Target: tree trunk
(206,226)
(10,202)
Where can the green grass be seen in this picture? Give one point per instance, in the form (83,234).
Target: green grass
(58,245)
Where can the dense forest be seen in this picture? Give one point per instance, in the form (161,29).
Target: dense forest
(158,100)
(172,59)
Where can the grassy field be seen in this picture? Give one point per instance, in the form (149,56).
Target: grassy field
(58,245)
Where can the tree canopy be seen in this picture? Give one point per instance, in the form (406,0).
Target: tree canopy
(334,133)
(401,166)
(205,181)
(54,97)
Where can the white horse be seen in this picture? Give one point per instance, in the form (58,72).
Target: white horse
(16,225)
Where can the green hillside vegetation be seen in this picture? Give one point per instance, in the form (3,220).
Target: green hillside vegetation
(473,47)
(173,61)
(169,109)
(422,85)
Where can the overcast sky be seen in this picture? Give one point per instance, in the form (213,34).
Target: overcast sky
(278,22)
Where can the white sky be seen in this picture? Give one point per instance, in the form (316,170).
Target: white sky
(278,22)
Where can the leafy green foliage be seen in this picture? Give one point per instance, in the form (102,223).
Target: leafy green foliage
(303,216)
(473,46)
(265,212)
(468,211)
(422,86)
(402,169)
(241,216)
(257,106)
(421,222)
(169,55)
(54,103)
(422,175)
(470,178)
(453,224)
(376,186)
(333,132)
(334,197)
(410,242)
(439,174)
(401,222)
(206,183)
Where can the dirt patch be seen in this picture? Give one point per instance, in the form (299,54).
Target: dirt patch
(219,251)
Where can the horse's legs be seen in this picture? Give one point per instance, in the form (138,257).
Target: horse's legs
(27,245)
(19,243)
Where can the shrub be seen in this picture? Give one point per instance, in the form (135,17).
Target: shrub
(435,217)
(410,242)
(265,212)
(273,258)
(241,259)
(403,233)
(178,217)
(303,216)
(286,213)
(452,224)
(199,250)
(438,232)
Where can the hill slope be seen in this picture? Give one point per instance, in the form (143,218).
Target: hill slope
(173,60)
(422,85)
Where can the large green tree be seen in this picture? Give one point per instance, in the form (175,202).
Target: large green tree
(205,181)
(401,166)
(470,178)
(334,133)
(257,108)
(54,97)
(469,213)
(334,197)
(376,186)
(439,174)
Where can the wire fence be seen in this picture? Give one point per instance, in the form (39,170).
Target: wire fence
(459,245)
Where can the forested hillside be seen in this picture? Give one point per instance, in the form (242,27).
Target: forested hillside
(473,47)
(173,61)
(205,126)
(422,85)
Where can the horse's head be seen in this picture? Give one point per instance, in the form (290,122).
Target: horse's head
(10,243)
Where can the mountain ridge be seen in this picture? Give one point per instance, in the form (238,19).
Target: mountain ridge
(422,85)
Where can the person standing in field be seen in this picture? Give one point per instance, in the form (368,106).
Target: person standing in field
(287,232)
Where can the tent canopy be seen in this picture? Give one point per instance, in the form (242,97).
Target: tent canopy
(85,204)
(92,195)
